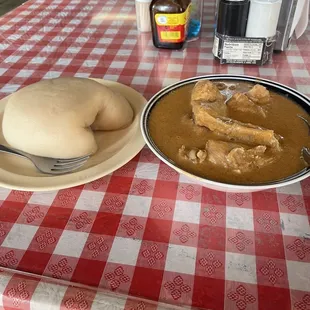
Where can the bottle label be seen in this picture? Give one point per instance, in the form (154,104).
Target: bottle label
(172,28)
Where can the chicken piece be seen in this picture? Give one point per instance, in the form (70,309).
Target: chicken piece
(236,131)
(218,151)
(193,154)
(207,91)
(206,94)
(259,94)
(237,158)
(213,115)
(241,103)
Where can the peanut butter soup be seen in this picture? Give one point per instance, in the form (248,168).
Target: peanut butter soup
(176,132)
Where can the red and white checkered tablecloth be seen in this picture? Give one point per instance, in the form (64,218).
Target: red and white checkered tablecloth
(143,232)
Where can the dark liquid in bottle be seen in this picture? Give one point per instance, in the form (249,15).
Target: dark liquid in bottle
(167,19)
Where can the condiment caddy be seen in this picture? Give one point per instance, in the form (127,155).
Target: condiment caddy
(246,30)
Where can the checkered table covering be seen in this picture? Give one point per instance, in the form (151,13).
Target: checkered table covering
(144,231)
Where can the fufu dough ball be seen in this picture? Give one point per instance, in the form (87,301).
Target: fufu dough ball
(56,117)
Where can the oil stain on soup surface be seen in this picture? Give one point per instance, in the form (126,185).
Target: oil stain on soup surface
(170,127)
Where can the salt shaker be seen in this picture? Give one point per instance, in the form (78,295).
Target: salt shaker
(143,15)
(263,18)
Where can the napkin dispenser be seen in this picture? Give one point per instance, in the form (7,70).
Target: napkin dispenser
(294,17)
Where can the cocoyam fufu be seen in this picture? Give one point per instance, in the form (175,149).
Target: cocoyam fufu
(56,117)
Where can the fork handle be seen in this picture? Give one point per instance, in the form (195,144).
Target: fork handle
(5,149)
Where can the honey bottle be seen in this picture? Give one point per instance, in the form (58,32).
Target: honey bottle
(169,19)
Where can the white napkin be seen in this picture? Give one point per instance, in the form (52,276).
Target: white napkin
(301,18)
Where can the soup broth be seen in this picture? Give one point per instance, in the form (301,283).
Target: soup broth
(170,127)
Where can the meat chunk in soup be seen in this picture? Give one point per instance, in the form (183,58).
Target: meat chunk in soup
(206,91)
(242,103)
(193,154)
(237,131)
(259,94)
(237,158)
(213,115)
(206,94)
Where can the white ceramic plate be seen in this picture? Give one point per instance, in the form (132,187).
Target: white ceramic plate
(115,149)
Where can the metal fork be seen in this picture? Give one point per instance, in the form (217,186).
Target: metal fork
(305,151)
(49,165)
